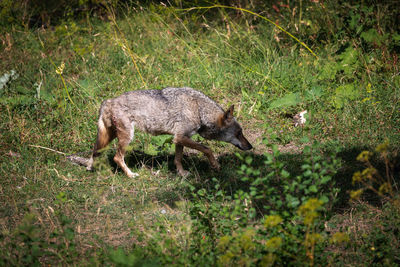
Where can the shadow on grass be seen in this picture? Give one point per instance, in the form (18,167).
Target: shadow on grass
(230,180)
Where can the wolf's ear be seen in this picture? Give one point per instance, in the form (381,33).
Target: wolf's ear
(229,113)
(226,117)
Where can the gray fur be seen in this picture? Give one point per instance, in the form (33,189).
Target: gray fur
(168,111)
(181,112)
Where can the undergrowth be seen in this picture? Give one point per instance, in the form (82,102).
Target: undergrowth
(322,193)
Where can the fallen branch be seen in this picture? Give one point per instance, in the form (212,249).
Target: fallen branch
(42,147)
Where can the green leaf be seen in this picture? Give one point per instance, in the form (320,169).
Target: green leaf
(345,93)
(349,60)
(314,93)
(313,189)
(325,179)
(396,38)
(119,257)
(372,36)
(292,201)
(62,197)
(287,100)
(324,199)
(285,174)
(151,150)
(248,160)
(354,22)
(329,70)
(307,173)
(201,192)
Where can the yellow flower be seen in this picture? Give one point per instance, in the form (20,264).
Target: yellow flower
(223,243)
(384,188)
(357,177)
(246,239)
(364,156)
(369,90)
(308,210)
(60,69)
(368,173)
(225,260)
(339,237)
(274,243)
(310,217)
(381,148)
(272,221)
(312,239)
(356,194)
(268,260)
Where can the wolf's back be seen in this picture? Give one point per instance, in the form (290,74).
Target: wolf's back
(167,111)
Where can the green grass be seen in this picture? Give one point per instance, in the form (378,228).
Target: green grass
(59,213)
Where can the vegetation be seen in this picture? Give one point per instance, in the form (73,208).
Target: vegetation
(324,193)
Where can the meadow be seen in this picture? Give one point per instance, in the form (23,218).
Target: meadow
(322,193)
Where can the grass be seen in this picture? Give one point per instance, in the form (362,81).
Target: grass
(64,213)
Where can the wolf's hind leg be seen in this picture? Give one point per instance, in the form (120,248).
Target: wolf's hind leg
(104,136)
(125,132)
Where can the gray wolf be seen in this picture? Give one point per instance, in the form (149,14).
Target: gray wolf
(181,112)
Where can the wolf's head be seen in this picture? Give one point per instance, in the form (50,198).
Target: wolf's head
(231,132)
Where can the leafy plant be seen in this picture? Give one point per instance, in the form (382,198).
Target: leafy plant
(282,191)
(344,94)
(27,246)
(27,239)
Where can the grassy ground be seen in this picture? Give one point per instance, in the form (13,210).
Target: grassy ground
(56,212)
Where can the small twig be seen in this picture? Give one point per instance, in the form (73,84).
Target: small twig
(42,147)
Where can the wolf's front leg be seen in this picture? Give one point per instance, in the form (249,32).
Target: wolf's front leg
(178,160)
(186,141)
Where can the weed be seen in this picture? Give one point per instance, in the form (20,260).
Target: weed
(371,179)
(279,190)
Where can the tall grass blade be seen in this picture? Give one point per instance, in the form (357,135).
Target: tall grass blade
(257,15)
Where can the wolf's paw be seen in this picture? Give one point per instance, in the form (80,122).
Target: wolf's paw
(184,173)
(131,174)
(215,165)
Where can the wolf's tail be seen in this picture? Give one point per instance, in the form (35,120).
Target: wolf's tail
(74,158)
(78,160)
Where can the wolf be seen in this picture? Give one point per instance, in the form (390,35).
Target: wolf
(180,112)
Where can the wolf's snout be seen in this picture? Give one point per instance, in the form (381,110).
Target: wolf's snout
(244,144)
(247,146)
